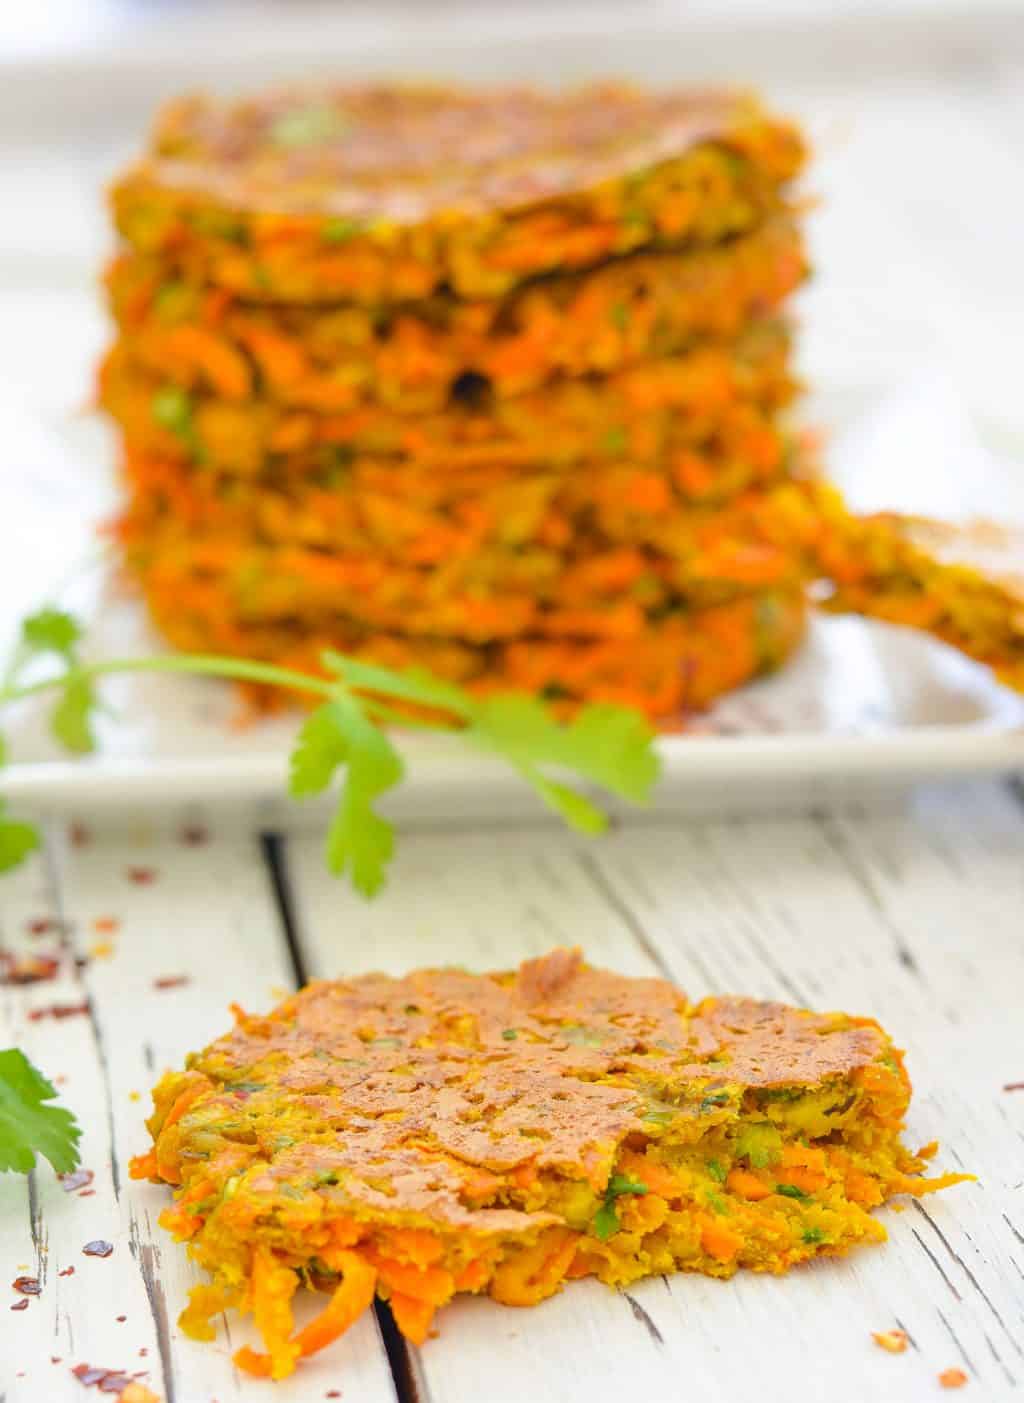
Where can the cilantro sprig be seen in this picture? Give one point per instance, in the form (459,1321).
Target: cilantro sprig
(606,1220)
(28,1126)
(345,741)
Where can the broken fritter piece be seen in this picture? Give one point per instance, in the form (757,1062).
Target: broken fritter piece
(502,1133)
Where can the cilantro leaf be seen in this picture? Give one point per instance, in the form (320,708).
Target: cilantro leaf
(790,1191)
(620,1184)
(51,631)
(17,840)
(605,1222)
(606,744)
(414,685)
(340,734)
(29,1127)
(71,718)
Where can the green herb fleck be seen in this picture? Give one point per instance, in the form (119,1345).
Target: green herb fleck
(615,441)
(606,1221)
(716,1098)
(716,1202)
(759,1143)
(509,1034)
(306,126)
(660,1115)
(813,1235)
(172,409)
(619,315)
(716,1170)
(339,231)
(790,1191)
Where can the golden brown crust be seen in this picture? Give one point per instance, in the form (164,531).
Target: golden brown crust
(392,1084)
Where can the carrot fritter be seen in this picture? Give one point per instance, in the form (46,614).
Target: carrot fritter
(411,357)
(387,194)
(502,1133)
(669,670)
(643,411)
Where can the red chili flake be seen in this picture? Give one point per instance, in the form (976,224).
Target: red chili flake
(68,1271)
(88,1374)
(27,1285)
(143,1352)
(141,876)
(106,925)
(98,1248)
(27,969)
(171,981)
(80,835)
(333,1393)
(58,1011)
(54,1358)
(20,1305)
(87,1193)
(194,835)
(40,925)
(120,1319)
(77,1179)
(1014,1086)
(115,1382)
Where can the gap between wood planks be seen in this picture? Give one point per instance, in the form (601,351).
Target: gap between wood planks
(409,1385)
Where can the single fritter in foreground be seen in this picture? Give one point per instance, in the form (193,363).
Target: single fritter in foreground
(503,1133)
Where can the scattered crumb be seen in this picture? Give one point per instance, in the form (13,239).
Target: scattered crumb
(1014,1086)
(194,835)
(106,925)
(77,1179)
(171,981)
(79,835)
(134,1096)
(87,1193)
(141,876)
(895,1341)
(98,1248)
(952,1378)
(138,1393)
(68,1271)
(278,992)
(20,1305)
(40,925)
(143,1352)
(101,950)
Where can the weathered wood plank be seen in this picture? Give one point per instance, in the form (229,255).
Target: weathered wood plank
(914,917)
(200,910)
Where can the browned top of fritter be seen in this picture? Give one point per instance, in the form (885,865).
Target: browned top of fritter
(401,1088)
(404,153)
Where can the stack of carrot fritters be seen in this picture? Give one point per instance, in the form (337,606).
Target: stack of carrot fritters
(489,381)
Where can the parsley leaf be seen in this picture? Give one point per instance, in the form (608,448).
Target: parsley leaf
(29,1127)
(340,734)
(71,718)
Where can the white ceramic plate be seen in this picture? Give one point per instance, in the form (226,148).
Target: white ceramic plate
(908,356)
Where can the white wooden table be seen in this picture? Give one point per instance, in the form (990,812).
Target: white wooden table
(914,914)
